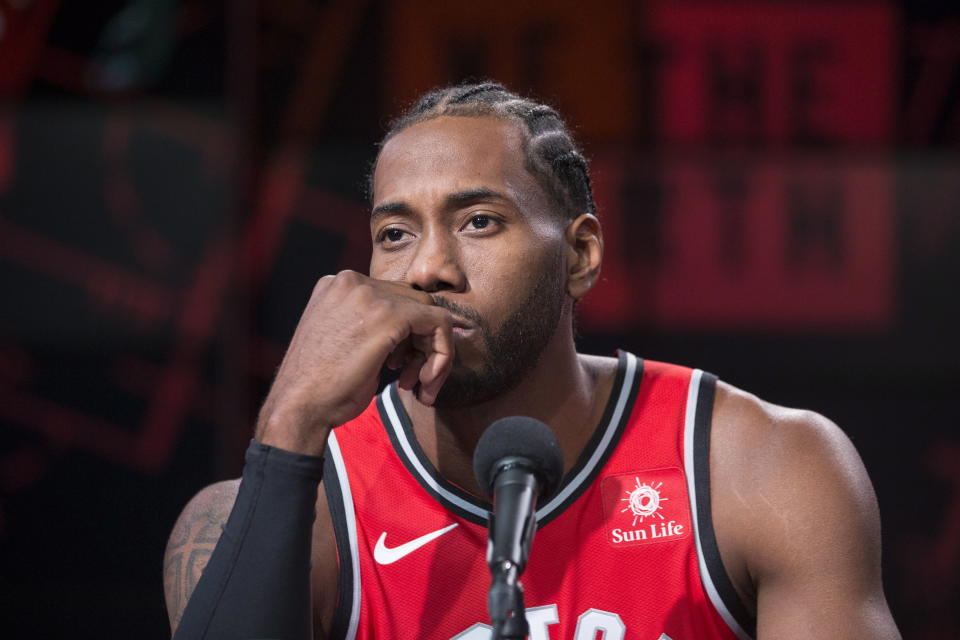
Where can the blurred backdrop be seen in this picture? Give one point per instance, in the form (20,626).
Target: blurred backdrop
(779,183)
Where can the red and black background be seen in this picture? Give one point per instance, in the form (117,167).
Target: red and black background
(779,184)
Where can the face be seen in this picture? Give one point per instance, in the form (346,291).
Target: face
(456,214)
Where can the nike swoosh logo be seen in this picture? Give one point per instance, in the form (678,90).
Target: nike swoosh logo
(385,555)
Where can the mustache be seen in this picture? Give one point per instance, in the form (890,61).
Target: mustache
(465,312)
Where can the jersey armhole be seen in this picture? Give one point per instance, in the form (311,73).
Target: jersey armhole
(716,581)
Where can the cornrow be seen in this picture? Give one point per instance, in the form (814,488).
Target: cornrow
(551,155)
(472,90)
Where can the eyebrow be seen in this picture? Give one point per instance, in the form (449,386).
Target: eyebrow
(453,201)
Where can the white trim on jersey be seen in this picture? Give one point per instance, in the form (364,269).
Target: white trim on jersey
(334,448)
(412,458)
(609,430)
(693,394)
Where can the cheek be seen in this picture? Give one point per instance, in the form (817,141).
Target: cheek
(491,271)
(501,280)
(391,267)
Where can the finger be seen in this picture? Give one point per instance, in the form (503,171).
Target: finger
(435,370)
(411,371)
(433,336)
(429,392)
(404,290)
(399,357)
(429,335)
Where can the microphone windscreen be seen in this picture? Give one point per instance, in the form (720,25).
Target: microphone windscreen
(522,437)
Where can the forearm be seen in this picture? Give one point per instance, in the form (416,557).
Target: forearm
(257,583)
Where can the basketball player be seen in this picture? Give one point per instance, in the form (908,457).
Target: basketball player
(689,509)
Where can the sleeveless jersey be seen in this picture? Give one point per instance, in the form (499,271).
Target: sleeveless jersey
(625,548)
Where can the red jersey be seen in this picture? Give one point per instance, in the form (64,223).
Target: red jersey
(625,547)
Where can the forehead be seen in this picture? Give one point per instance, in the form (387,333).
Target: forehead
(451,153)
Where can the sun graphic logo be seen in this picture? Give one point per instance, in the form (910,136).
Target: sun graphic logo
(655,499)
(644,501)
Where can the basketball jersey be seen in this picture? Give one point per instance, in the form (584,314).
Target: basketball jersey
(624,549)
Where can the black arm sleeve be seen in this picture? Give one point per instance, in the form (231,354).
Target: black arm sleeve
(257,583)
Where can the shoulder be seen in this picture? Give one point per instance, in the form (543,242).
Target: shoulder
(792,505)
(213,498)
(204,514)
(192,541)
(765,440)
(198,529)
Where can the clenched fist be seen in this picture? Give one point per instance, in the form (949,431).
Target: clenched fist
(351,327)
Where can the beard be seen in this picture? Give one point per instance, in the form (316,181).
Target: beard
(514,348)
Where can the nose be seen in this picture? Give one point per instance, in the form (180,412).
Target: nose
(436,264)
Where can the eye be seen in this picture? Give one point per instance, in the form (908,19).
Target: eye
(391,234)
(481,221)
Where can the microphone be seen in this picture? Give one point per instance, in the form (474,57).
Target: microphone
(517,460)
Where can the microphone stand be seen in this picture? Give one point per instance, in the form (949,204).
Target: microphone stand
(505,602)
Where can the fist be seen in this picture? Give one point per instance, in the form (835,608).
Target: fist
(351,327)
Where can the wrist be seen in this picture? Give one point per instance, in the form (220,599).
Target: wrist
(295,429)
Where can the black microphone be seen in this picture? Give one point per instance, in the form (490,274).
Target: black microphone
(517,460)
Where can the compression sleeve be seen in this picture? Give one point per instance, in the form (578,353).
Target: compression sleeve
(257,582)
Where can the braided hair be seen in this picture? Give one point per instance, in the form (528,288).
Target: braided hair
(551,155)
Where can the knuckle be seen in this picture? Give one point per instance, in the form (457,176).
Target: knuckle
(363,294)
(395,335)
(344,279)
(349,286)
(382,308)
(349,276)
(323,283)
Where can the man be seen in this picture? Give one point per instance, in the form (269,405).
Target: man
(689,509)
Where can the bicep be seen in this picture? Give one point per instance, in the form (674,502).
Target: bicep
(191,543)
(815,557)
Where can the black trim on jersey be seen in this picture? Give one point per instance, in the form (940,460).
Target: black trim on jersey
(592,444)
(598,433)
(407,425)
(708,541)
(338,514)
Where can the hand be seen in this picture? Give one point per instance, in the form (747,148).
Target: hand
(351,327)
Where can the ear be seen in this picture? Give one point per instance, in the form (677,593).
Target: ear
(585,252)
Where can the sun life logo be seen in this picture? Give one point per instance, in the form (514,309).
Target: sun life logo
(644,501)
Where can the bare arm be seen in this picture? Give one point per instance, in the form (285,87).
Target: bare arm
(797,522)
(191,542)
